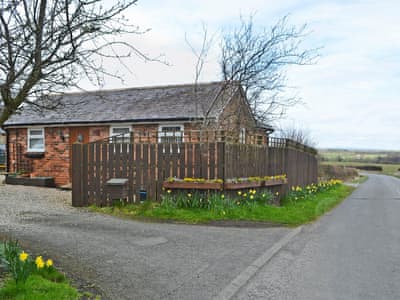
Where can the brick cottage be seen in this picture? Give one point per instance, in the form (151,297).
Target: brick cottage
(39,143)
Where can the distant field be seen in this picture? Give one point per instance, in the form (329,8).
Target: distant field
(388,160)
(360,156)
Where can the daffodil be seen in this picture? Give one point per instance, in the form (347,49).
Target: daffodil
(39,262)
(251,197)
(239,193)
(49,263)
(23,256)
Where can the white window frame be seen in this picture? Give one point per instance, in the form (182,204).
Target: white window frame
(42,136)
(119,127)
(162,134)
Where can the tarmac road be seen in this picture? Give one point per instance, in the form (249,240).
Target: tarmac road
(351,253)
(126,259)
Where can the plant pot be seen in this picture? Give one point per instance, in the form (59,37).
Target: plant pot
(242,185)
(275,182)
(192,185)
(31,181)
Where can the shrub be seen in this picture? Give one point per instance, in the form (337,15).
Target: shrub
(327,172)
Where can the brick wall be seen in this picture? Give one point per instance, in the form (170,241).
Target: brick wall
(236,115)
(54,162)
(98,133)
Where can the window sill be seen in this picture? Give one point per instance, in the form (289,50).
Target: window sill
(34,154)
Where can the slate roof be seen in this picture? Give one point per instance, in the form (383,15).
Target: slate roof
(163,103)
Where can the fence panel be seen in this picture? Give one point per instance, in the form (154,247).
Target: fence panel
(147,165)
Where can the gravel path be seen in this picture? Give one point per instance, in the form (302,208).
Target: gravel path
(128,259)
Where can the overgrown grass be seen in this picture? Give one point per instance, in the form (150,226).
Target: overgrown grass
(291,212)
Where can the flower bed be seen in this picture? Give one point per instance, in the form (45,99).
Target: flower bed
(192,185)
(243,185)
(229,184)
(31,181)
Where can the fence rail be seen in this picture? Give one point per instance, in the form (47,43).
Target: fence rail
(186,136)
(147,165)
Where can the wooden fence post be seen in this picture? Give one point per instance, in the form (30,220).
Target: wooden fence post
(77,194)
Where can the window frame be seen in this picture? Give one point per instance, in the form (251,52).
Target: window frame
(165,134)
(42,136)
(120,127)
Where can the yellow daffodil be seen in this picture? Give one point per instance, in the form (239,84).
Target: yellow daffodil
(222,196)
(39,262)
(239,193)
(49,263)
(251,197)
(169,191)
(23,256)
(189,195)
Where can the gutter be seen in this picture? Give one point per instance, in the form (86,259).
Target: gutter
(77,123)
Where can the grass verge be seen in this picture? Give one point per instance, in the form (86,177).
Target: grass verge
(359,180)
(291,213)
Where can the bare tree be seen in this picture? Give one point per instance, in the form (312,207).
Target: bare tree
(297,134)
(201,54)
(49,45)
(258,60)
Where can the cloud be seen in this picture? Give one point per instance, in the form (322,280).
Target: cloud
(351,94)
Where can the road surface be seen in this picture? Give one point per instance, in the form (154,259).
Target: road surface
(351,253)
(127,259)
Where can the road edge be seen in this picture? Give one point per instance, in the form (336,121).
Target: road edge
(241,280)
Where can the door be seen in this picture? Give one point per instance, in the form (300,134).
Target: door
(76,135)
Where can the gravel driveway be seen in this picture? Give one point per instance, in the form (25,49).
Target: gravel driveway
(128,259)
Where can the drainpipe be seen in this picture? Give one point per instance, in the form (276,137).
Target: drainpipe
(7,152)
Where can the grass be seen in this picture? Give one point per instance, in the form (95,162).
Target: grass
(291,213)
(360,179)
(37,287)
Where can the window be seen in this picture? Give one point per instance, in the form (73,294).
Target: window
(120,134)
(35,139)
(170,134)
(242,136)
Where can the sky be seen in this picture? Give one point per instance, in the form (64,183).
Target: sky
(350,96)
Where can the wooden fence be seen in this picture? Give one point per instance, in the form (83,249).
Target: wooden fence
(147,165)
